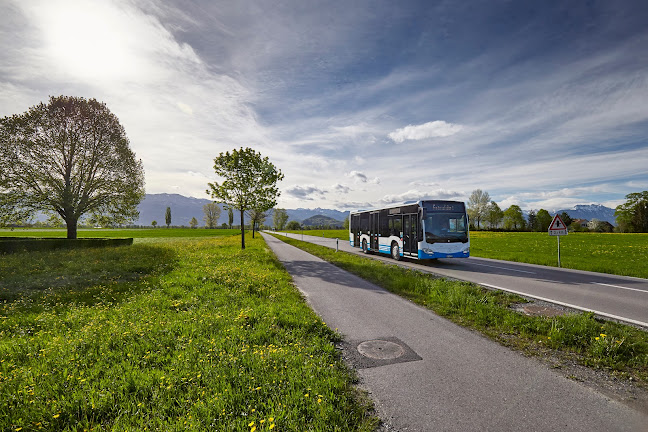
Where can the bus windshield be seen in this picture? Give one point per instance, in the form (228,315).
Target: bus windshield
(445,227)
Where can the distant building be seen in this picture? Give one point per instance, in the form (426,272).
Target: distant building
(581,222)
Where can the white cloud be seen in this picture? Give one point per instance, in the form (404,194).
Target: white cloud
(357,176)
(433,129)
(340,188)
(306,193)
(416,195)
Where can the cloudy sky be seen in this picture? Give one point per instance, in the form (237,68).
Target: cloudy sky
(359,103)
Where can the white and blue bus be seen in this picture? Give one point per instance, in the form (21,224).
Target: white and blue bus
(421,230)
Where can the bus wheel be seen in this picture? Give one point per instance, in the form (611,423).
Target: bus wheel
(365,249)
(395,251)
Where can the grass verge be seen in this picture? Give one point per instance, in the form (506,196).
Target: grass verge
(582,337)
(170,334)
(120,232)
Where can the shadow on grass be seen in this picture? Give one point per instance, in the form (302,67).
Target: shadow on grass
(90,276)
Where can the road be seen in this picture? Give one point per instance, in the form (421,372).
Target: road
(426,373)
(617,297)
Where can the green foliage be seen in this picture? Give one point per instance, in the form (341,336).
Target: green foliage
(513,218)
(279,218)
(494,215)
(249,182)
(567,220)
(212,213)
(167,217)
(169,335)
(544,220)
(293,225)
(114,233)
(193,223)
(72,157)
(154,224)
(632,216)
(593,342)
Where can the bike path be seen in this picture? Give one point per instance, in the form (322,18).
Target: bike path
(446,378)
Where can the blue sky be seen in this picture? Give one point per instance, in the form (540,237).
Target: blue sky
(361,103)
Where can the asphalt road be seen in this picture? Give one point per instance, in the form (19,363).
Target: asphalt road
(444,377)
(618,297)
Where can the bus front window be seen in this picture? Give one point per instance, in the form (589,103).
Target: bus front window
(446,228)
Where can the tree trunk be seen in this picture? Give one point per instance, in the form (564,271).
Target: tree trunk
(253,226)
(242,231)
(71,228)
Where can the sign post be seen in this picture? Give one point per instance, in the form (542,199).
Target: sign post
(557,228)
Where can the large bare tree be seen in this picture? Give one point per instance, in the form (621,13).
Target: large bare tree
(70,156)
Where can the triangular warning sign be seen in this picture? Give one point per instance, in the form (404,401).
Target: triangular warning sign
(557,226)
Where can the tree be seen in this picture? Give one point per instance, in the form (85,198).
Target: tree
(212,213)
(494,215)
(567,220)
(632,216)
(477,205)
(293,226)
(346,223)
(513,218)
(72,157)
(249,182)
(279,218)
(193,223)
(230,217)
(257,218)
(544,220)
(167,217)
(154,224)
(532,220)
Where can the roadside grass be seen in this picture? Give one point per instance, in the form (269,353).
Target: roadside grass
(613,253)
(342,234)
(119,232)
(169,334)
(582,337)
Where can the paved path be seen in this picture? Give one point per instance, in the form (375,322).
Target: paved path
(617,297)
(453,379)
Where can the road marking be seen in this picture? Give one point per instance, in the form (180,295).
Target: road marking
(622,287)
(569,305)
(503,268)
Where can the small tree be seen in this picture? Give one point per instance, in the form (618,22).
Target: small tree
(293,226)
(193,223)
(256,219)
(632,216)
(249,182)
(279,218)
(532,221)
(494,215)
(71,157)
(167,217)
(154,224)
(544,220)
(212,213)
(513,218)
(478,205)
(567,220)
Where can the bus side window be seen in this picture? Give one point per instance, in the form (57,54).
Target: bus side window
(397,226)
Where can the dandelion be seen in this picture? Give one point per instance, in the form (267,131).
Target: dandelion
(596,338)
(603,335)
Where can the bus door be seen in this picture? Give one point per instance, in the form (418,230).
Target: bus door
(410,229)
(373,244)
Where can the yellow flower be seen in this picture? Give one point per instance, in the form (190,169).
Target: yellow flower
(603,335)
(272,426)
(56,415)
(251,424)
(596,338)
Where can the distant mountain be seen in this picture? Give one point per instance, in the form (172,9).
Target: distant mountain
(320,220)
(591,211)
(153,208)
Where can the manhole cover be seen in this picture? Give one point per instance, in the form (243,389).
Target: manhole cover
(380,349)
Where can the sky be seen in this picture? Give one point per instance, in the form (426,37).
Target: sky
(543,104)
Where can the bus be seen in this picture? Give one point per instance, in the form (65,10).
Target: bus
(422,230)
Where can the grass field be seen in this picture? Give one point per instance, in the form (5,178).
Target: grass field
(621,254)
(111,233)
(580,337)
(168,334)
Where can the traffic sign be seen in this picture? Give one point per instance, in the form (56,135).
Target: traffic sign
(557,227)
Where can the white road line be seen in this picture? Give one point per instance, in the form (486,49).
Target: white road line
(502,268)
(569,305)
(622,287)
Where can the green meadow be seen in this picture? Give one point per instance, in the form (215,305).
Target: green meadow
(621,254)
(168,334)
(119,232)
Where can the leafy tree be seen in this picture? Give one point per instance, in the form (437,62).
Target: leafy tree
(193,223)
(257,218)
(72,157)
(478,205)
(532,220)
(212,213)
(494,215)
(346,223)
(544,220)
(632,216)
(566,218)
(154,224)
(279,218)
(293,226)
(249,182)
(513,218)
(167,217)
(230,217)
